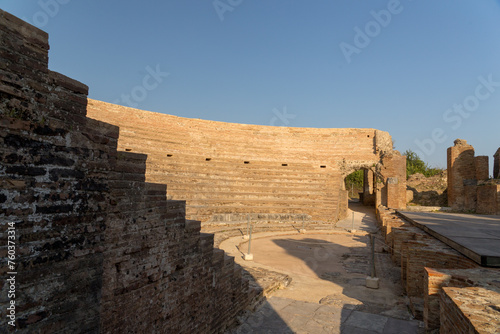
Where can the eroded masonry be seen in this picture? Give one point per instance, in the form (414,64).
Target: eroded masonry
(103,248)
(470,187)
(226,171)
(100,247)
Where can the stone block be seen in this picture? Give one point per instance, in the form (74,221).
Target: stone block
(372,282)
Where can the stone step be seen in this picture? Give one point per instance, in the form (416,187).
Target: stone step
(262,196)
(209,203)
(176,182)
(176,208)
(213,172)
(286,174)
(206,242)
(196,179)
(192,226)
(209,145)
(204,214)
(248,189)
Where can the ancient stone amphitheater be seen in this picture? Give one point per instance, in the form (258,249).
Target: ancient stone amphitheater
(99,247)
(226,171)
(102,206)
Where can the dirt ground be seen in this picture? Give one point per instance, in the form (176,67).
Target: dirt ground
(330,267)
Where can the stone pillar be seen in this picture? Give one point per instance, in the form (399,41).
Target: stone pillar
(368,190)
(481,164)
(380,192)
(461,166)
(393,196)
(496,165)
(393,193)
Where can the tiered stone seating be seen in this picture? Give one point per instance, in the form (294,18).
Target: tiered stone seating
(224,168)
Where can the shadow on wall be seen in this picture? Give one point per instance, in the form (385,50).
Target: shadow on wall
(158,268)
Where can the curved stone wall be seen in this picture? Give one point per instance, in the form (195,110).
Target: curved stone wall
(226,171)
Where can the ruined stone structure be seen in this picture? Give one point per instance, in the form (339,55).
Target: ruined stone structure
(496,165)
(447,290)
(225,171)
(100,248)
(469,187)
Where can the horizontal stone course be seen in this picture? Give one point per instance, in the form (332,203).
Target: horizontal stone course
(222,168)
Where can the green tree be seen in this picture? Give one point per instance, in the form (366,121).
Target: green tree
(414,164)
(355,178)
(354,183)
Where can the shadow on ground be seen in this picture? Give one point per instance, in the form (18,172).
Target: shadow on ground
(337,300)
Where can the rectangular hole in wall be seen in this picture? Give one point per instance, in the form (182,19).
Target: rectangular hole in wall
(246,162)
(128,149)
(208,159)
(284,165)
(169,155)
(322,166)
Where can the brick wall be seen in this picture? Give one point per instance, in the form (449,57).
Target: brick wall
(436,279)
(496,164)
(469,310)
(54,169)
(394,172)
(433,254)
(99,249)
(222,169)
(428,265)
(487,199)
(461,167)
(482,166)
(368,187)
(469,187)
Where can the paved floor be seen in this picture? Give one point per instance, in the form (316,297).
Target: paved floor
(328,292)
(283,315)
(475,236)
(364,218)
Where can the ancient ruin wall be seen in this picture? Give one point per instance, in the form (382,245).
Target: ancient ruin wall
(225,171)
(460,167)
(469,187)
(98,249)
(496,165)
(54,186)
(428,266)
(469,310)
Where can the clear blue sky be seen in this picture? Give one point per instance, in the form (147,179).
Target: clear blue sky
(331,64)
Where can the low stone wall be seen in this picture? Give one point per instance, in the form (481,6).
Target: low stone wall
(469,310)
(436,279)
(428,265)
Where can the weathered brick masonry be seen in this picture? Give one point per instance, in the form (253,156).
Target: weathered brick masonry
(427,266)
(469,310)
(436,280)
(225,171)
(469,187)
(99,249)
(496,164)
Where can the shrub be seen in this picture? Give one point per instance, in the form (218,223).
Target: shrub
(416,165)
(354,179)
